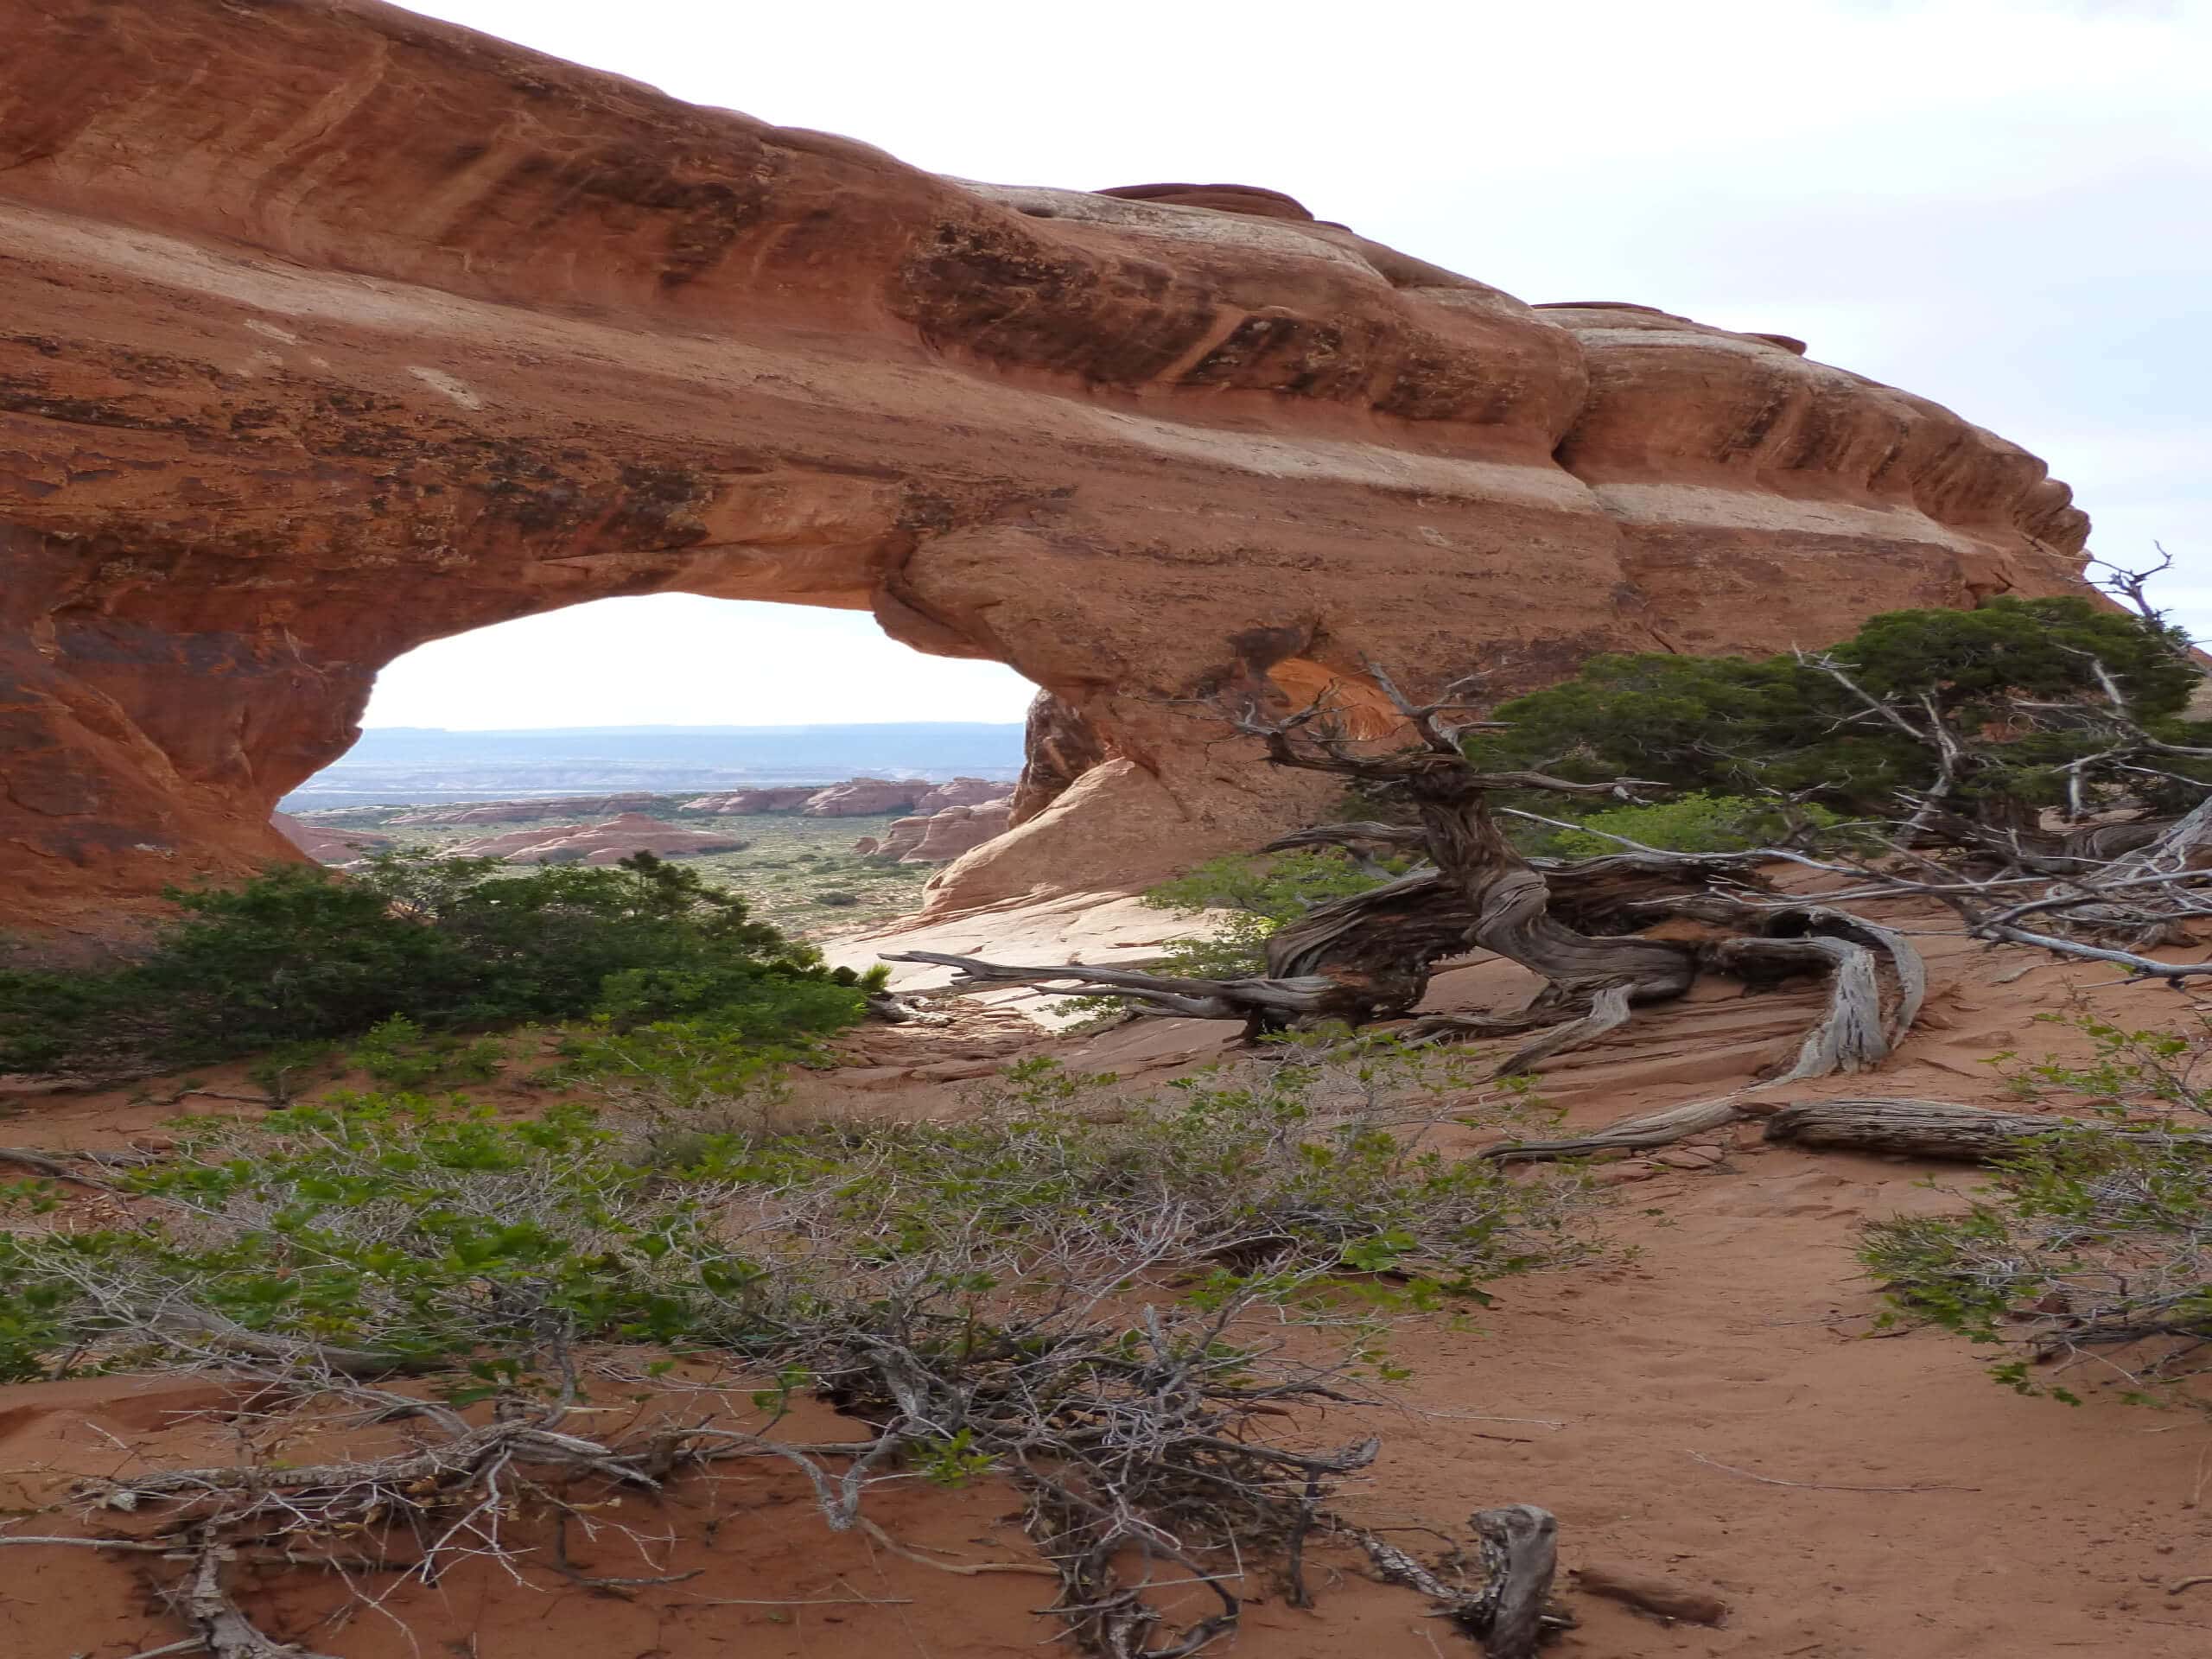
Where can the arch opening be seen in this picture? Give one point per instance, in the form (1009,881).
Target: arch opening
(797,754)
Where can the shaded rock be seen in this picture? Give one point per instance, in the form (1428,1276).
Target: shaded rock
(1057,746)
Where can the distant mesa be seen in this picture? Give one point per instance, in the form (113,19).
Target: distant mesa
(523,812)
(856,798)
(598,843)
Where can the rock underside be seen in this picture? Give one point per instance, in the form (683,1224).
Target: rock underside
(331,330)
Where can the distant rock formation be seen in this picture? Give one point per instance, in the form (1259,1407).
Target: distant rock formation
(961,791)
(523,812)
(957,829)
(598,843)
(747,803)
(325,843)
(938,837)
(865,797)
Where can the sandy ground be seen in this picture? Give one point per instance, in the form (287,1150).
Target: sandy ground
(1720,1408)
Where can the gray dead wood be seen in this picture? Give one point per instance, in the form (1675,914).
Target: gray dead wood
(1921,1129)
(1519,1547)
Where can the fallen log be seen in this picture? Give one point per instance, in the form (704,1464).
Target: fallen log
(1924,1128)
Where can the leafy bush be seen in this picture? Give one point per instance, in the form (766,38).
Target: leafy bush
(1257,895)
(2091,1239)
(1731,726)
(297,955)
(396,1232)
(836,898)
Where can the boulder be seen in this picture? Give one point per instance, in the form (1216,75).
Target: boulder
(369,330)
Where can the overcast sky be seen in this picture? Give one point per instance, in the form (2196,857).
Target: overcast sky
(2003,205)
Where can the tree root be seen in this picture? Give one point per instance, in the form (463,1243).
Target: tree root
(1519,1544)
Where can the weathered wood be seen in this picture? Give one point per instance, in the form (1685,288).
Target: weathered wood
(1520,1550)
(1637,1134)
(1608,1010)
(1921,1129)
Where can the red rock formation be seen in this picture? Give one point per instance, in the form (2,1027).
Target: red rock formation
(939,837)
(514,840)
(945,836)
(1057,746)
(524,811)
(864,797)
(327,843)
(745,803)
(961,791)
(899,839)
(333,329)
(598,843)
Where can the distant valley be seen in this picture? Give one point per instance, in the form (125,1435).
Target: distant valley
(407,765)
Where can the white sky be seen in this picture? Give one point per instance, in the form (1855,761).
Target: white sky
(2003,205)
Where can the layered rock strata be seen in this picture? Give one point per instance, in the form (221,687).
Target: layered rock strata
(330,330)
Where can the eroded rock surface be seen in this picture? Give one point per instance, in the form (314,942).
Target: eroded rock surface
(330,329)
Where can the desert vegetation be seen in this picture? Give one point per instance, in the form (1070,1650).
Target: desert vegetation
(1135,1305)
(1126,1314)
(2029,765)
(298,957)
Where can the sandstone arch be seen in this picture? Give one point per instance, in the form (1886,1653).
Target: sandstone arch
(331,329)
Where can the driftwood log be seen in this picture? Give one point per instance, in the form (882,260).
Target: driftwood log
(1923,1128)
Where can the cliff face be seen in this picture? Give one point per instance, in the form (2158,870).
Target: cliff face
(330,330)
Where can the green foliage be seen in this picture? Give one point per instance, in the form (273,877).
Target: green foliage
(1731,727)
(299,956)
(398,1055)
(1696,823)
(1256,896)
(2097,1236)
(398,1232)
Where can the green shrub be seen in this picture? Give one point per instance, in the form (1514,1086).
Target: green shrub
(393,1232)
(836,898)
(2092,1240)
(1731,727)
(1256,896)
(1696,823)
(298,956)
